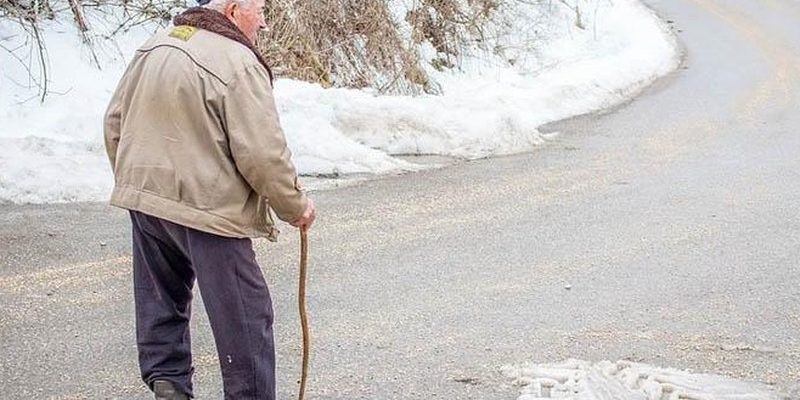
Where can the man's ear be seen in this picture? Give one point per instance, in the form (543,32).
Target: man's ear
(231,10)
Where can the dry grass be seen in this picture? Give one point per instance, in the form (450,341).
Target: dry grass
(357,43)
(450,26)
(353,43)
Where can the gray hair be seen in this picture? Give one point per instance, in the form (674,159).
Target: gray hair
(219,5)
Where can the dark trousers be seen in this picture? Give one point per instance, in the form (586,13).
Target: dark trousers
(167,258)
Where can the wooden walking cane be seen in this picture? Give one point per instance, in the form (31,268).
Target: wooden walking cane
(301,297)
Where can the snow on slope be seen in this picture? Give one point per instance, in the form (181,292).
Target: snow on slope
(53,151)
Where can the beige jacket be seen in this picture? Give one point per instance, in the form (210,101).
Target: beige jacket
(193,137)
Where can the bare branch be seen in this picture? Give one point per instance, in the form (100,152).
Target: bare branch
(80,20)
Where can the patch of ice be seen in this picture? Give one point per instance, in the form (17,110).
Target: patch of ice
(625,380)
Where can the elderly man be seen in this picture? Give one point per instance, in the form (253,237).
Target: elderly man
(199,159)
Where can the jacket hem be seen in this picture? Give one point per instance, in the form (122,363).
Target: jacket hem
(174,211)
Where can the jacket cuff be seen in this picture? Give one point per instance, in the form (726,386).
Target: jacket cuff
(302,205)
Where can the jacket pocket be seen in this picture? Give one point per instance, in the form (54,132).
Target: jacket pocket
(265,221)
(161,181)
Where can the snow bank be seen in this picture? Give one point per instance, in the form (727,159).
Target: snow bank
(53,151)
(625,380)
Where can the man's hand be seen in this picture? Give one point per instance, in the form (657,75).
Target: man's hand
(305,220)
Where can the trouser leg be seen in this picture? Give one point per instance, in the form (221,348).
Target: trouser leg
(239,309)
(163,280)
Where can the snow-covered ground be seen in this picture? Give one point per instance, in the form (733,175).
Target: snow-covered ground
(52,151)
(624,380)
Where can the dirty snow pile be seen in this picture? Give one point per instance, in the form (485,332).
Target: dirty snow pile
(52,150)
(625,380)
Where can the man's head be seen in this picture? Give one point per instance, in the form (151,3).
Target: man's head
(247,15)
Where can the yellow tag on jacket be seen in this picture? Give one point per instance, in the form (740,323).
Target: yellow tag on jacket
(183,32)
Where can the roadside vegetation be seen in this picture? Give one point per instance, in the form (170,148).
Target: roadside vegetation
(389,46)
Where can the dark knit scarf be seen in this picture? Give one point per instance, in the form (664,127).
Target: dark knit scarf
(213,21)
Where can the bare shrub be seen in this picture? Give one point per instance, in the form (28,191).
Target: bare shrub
(356,43)
(110,16)
(353,43)
(450,26)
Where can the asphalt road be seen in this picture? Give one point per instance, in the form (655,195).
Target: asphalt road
(674,220)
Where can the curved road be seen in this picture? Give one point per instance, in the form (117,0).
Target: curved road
(674,220)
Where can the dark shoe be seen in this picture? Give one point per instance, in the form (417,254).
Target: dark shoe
(165,390)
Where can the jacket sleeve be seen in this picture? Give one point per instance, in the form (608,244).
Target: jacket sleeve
(258,145)
(112,125)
